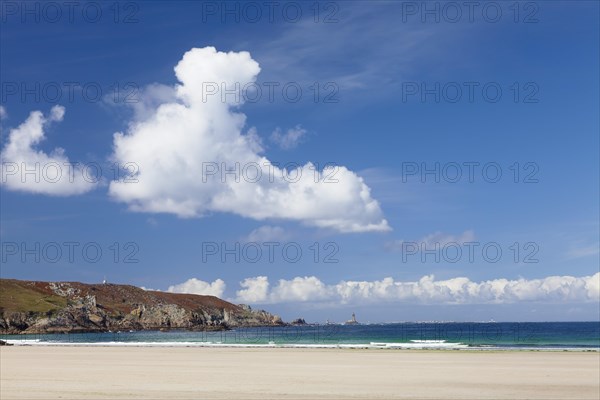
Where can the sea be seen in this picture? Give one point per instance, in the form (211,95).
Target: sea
(557,336)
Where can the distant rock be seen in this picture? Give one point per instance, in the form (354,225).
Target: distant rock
(68,307)
(298,321)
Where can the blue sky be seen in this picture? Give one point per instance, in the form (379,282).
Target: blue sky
(371,63)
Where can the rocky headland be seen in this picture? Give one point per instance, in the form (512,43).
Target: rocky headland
(70,307)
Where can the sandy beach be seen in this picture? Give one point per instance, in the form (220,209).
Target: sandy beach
(245,373)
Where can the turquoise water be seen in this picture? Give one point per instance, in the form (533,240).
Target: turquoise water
(558,335)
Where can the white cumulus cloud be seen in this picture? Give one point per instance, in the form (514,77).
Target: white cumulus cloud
(28,169)
(255,290)
(196,286)
(427,290)
(174,144)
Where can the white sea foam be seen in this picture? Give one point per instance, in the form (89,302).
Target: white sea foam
(421,344)
(371,345)
(23,342)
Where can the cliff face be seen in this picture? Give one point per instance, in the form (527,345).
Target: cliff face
(49,307)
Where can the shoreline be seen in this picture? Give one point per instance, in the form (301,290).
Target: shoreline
(349,346)
(93,372)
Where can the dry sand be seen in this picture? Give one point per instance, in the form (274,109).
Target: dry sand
(243,373)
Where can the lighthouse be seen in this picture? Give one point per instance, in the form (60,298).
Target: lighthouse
(352,321)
